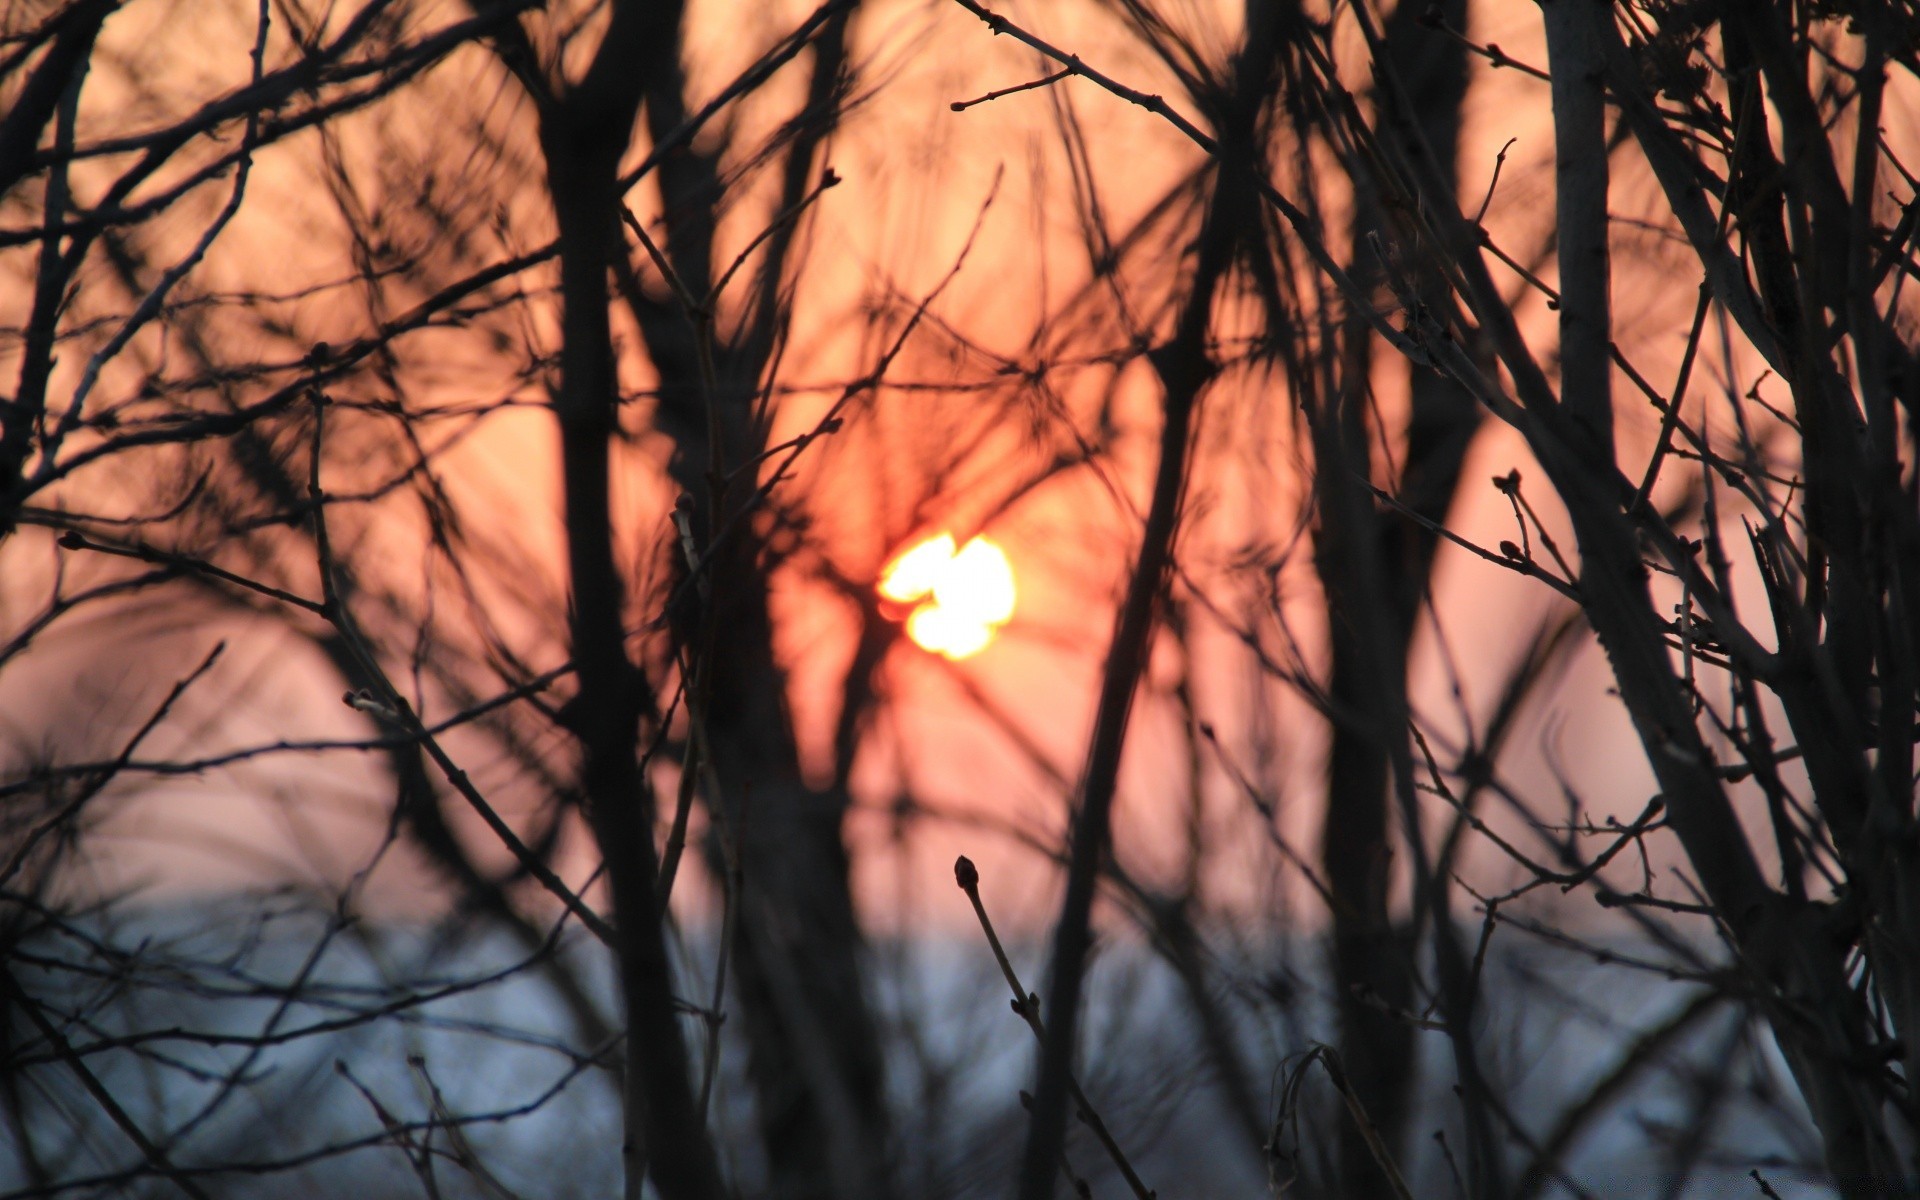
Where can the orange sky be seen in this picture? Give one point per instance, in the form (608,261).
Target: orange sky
(936,456)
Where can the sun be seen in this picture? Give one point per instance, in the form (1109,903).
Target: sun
(955,599)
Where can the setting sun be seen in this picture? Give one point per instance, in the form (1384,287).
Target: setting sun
(959,599)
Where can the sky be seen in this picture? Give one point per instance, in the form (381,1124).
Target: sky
(982,210)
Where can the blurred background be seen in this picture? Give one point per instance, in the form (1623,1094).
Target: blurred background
(287,343)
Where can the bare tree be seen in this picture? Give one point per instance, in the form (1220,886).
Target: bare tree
(1833,586)
(279,311)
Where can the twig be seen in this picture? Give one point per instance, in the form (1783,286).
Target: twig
(1329,1060)
(106,772)
(99,1091)
(1026,1005)
(964,105)
(391,705)
(186,564)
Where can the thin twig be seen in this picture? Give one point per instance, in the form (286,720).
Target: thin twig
(1026,1006)
(964,105)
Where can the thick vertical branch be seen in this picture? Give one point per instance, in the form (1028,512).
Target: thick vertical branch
(1371,966)
(1184,368)
(22,414)
(64,62)
(814,1053)
(1580,209)
(1374,568)
(583,135)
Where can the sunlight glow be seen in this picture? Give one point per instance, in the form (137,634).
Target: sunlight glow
(913,575)
(959,599)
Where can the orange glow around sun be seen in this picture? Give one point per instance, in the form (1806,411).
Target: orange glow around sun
(958,598)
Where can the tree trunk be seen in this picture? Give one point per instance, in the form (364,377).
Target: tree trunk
(1375,568)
